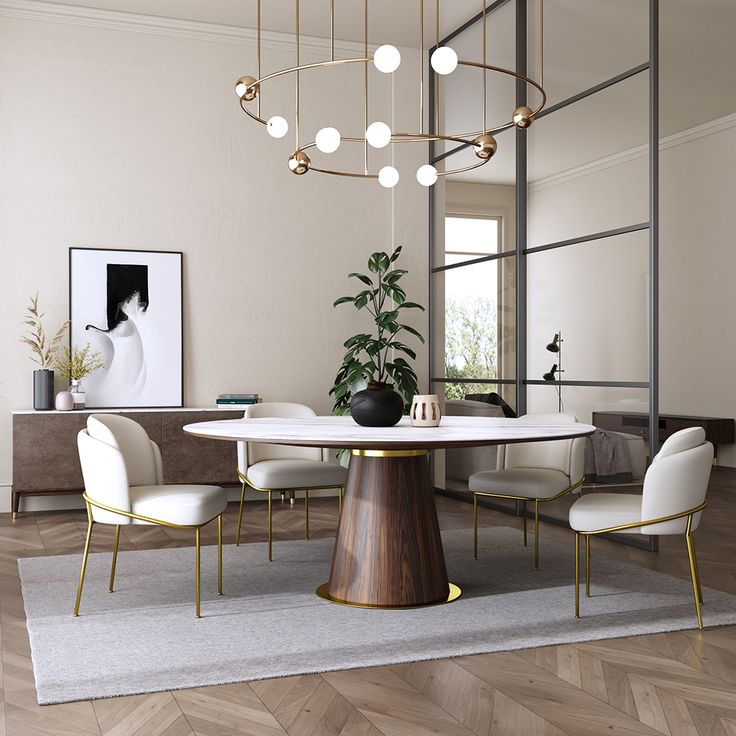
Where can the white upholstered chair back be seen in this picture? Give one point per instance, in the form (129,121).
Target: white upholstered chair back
(250,453)
(677,480)
(566,456)
(116,453)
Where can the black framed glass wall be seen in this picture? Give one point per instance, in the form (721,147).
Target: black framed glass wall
(585,182)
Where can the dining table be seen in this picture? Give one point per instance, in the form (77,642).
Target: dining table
(388,550)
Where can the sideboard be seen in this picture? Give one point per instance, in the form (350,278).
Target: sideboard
(45,459)
(718,430)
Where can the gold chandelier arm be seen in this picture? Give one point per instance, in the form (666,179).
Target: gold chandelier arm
(352,174)
(516,75)
(449,172)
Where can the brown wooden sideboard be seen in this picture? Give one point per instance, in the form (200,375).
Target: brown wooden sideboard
(46,462)
(718,430)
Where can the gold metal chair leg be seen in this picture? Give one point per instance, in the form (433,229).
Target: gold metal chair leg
(577,575)
(240,515)
(306,513)
(270,528)
(339,500)
(84,566)
(697,572)
(475,526)
(219,554)
(587,565)
(694,570)
(197,545)
(526,536)
(536,534)
(114,557)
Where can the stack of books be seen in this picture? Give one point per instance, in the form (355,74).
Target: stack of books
(237,399)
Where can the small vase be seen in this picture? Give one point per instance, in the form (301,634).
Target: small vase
(425,410)
(43,390)
(78,396)
(64,401)
(377,406)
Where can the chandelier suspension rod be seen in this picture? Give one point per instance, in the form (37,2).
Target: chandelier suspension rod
(259,53)
(297,74)
(485,62)
(365,78)
(332,29)
(436,111)
(541,42)
(421,66)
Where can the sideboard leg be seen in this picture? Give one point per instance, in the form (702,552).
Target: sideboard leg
(15,503)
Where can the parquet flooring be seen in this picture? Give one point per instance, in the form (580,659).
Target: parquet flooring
(673,684)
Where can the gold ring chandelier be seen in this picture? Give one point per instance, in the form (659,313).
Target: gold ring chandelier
(378,134)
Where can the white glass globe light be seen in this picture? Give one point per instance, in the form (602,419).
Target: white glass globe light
(444,60)
(388,177)
(378,135)
(277,127)
(427,175)
(328,140)
(387,58)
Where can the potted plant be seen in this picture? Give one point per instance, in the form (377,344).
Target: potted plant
(43,354)
(75,364)
(372,356)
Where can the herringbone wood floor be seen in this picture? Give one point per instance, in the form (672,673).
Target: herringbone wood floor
(679,684)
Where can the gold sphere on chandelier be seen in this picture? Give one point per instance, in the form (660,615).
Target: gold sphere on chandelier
(485,146)
(523,116)
(299,162)
(247,89)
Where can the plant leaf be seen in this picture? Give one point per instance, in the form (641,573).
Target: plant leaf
(342,300)
(365,279)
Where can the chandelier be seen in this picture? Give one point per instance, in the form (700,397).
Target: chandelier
(378,134)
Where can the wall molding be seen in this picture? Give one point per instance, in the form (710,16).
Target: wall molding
(676,139)
(39,10)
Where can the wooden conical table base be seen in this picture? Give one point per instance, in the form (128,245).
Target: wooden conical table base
(388,551)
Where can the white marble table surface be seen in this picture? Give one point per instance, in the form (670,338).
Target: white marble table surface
(332,431)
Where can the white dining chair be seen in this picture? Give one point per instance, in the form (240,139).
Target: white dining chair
(284,468)
(532,471)
(123,484)
(671,503)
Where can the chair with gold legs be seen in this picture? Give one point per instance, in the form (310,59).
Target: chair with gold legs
(123,481)
(285,469)
(673,498)
(536,472)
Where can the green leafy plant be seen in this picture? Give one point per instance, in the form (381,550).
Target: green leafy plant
(44,351)
(76,363)
(371,356)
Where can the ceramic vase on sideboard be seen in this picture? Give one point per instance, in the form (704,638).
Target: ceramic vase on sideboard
(43,389)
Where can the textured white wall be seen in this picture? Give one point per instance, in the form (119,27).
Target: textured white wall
(123,139)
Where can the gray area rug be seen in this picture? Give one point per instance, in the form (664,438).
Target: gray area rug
(145,638)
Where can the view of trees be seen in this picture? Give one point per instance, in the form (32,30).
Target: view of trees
(470,344)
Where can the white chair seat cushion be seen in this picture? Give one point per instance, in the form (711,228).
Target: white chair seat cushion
(603,510)
(295,473)
(524,482)
(178,504)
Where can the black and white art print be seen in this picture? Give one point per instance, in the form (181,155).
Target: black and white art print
(127,304)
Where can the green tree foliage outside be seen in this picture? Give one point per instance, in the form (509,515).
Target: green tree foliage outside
(471,345)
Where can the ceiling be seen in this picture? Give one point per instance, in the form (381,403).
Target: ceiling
(586,42)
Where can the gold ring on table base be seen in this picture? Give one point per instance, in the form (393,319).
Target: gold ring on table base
(323,592)
(390,453)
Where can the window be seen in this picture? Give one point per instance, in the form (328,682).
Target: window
(471,303)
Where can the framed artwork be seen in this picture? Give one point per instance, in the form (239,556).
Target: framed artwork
(127,304)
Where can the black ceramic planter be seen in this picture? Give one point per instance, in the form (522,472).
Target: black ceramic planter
(377,406)
(43,390)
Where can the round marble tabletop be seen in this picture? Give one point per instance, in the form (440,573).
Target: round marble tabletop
(337,432)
